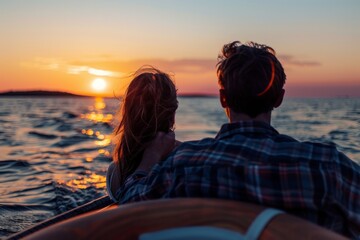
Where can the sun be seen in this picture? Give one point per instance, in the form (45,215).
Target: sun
(98,84)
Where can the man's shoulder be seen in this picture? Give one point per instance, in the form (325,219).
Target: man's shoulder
(282,138)
(279,146)
(279,139)
(318,150)
(197,143)
(327,146)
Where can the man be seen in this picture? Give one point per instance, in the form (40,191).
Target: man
(249,160)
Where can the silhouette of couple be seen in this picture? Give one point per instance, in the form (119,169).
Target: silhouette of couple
(248,160)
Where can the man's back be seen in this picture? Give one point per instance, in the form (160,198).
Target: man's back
(251,161)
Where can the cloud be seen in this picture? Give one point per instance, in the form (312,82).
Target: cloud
(107,66)
(182,65)
(92,71)
(56,64)
(44,63)
(290,60)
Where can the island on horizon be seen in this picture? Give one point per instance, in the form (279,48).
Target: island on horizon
(39,93)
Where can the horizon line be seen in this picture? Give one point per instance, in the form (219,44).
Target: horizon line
(57,93)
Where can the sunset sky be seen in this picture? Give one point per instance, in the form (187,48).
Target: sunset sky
(65,45)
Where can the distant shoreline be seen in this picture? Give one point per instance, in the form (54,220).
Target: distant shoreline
(41,93)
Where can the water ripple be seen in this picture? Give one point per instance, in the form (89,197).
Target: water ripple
(56,151)
(42,135)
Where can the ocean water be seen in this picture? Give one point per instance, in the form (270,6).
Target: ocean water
(54,152)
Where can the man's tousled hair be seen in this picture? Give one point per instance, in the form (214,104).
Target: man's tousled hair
(251,77)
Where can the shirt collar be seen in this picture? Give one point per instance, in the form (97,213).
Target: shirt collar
(246,127)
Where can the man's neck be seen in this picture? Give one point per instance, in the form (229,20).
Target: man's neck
(238,117)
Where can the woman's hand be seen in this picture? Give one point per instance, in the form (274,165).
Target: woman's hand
(157,149)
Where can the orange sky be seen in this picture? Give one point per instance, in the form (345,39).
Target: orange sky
(65,46)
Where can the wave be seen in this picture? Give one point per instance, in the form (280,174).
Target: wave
(72,140)
(42,135)
(51,165)
(13,164)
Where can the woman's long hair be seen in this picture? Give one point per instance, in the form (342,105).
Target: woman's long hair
(148,107)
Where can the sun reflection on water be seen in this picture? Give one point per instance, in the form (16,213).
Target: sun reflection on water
(96,115)
(102,139)
(103,143)
(99,104)
(105,152)
(93,180)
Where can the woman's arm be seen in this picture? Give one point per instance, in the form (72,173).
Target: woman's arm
(158,149)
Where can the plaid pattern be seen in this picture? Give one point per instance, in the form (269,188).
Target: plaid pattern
(252,162)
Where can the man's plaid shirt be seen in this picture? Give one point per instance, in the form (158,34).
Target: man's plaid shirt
(252,162)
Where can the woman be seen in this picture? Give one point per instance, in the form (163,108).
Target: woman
(147,111)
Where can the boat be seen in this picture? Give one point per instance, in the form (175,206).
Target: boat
(178,218)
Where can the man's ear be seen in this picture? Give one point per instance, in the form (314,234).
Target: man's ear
(223,98)
(280,98)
